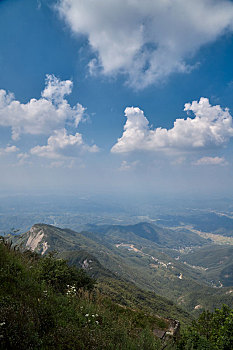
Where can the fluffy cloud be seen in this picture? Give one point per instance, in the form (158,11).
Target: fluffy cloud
(211,161)
(40,116)
(147,40)
(211,127)
(8,149)
(61,145)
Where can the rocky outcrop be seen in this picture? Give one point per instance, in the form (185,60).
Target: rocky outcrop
(35,237)
(35,241)
(172,331)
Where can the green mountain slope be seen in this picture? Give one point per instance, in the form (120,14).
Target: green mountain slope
(161,236)
(217,263)
(121,291)
(132,258)
(45,304)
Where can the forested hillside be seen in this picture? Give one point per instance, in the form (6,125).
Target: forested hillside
(47,304)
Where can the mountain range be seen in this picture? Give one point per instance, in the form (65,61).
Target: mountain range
(173,272)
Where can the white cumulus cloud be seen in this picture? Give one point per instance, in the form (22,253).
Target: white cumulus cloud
(43,115)
(146,40)
(211,127)
(211,161)
(61,145)
(8,149)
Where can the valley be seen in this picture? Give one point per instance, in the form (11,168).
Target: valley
(153,259)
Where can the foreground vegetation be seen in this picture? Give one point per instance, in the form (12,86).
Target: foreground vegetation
(47,304)
(212,331)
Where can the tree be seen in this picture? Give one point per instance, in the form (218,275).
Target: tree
(211,331)
(59,275)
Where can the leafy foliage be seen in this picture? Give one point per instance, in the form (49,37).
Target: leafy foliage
(58,274)
(212,331)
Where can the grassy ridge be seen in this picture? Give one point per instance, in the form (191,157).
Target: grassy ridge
(36,312)
(124,292)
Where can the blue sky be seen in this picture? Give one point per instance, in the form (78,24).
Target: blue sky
(90,94)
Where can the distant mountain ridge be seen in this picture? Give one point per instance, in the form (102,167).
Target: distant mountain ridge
(162,236)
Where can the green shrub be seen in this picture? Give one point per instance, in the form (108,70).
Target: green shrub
(60,276)
(211,331)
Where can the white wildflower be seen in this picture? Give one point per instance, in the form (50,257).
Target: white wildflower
(71,290)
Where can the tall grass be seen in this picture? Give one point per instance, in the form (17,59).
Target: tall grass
(35,314)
